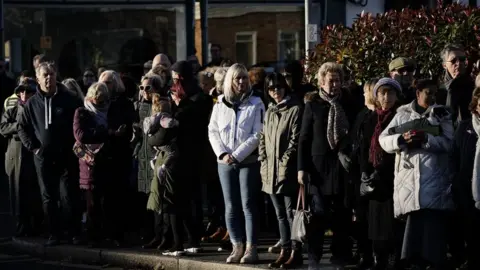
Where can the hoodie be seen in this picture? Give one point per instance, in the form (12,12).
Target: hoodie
(47,122)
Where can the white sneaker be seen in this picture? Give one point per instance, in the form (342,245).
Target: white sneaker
(193,250)
(275,248)
(251,255)
(237,253)
(176,253)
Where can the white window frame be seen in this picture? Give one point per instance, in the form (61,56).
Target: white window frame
(297,42)
(253,34)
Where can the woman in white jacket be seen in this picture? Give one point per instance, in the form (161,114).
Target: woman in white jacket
(422,185)
(234,133)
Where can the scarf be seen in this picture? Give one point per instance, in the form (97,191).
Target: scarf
(476,163)
(337,127)
(99,112)
(376,152)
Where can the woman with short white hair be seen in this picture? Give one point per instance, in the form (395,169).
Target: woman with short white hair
(323,163)
(234,133)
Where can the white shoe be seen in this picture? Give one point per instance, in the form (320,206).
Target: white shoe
(251,255)
(237,253)
(193,250)
(275,248)
(176,253)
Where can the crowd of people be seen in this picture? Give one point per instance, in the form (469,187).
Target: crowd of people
(392,168)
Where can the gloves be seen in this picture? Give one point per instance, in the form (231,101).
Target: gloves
(345,161)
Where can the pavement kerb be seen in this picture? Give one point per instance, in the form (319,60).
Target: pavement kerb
(119,258)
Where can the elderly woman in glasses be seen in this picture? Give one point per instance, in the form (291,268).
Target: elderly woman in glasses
(24,191)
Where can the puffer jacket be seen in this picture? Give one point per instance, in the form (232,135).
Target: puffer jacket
(426,184)
(236,130)
(278,147)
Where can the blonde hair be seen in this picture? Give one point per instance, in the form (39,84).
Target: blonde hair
(233,72)
(477,81)
(98,91)
(73,86)
(118,85)
(329,67)
(160,104)
(368,87)
(219,78)
(157,81)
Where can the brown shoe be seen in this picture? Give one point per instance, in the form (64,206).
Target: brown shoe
(217,235)
(226,237)
(282,258)
(295,260)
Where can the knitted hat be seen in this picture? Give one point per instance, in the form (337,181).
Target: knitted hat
(184,69)
(389,82)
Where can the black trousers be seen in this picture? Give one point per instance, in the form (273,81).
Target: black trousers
(58,182)
(328,212)
(216,203)
(180,218)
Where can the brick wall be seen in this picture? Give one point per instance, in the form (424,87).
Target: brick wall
(222,31)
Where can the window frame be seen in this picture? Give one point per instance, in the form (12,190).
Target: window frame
(253,35)
(296,33)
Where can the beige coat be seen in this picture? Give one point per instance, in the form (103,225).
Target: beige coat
(278,147)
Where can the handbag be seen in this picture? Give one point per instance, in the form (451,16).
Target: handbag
(87,152)
(301,218)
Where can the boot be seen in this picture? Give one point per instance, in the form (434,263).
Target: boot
(380,263)
(217,236)
(226,237)
(283,258)
(237,253)
(152,244)
(251,255)
(365,261)
(295,260)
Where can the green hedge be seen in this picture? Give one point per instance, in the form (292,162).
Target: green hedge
(373,41)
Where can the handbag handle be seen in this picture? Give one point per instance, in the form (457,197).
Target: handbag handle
(301,196)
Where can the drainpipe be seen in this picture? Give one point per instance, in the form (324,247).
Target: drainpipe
(308,45)
(204,26)
(2,41)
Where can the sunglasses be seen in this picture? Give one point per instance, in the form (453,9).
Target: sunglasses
(460,59)
(276,88)
(405,69)
(145,88)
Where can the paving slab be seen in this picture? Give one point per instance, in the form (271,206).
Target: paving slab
(209,259)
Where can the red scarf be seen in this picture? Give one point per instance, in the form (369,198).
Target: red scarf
(376,152)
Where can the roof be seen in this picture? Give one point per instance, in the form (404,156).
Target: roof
(228,11)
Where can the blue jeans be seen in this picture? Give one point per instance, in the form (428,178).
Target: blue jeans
(284,210)
(240,186)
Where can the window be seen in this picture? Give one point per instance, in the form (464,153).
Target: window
(246,48)
(289,46)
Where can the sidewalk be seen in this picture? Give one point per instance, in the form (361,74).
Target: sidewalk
(136,258)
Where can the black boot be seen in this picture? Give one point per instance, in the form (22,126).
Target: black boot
(381,262)
(152,244)
(282,258)
(295,260)
(365,261)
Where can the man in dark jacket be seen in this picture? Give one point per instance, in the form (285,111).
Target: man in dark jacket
(456,91)
(401,70)
(293,73)
(45,128)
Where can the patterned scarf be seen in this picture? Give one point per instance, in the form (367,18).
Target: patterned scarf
(376,152)
(337,127)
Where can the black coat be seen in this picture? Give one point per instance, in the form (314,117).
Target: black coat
(314,153)
(457,95)
(462,157)
(380,212)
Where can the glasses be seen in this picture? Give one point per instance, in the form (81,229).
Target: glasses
(406,70)
(145,88)
(274,88)
(459,59)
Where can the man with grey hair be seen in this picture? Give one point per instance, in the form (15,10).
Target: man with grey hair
(457,88)
(45,128)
